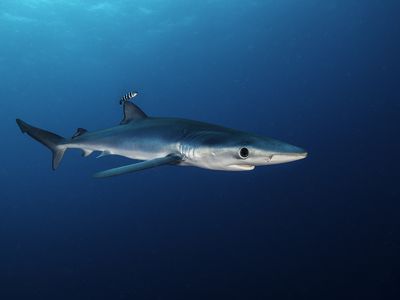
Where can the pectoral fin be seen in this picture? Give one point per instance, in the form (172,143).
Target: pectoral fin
(169,159)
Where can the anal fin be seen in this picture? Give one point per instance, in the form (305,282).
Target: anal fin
(86,152)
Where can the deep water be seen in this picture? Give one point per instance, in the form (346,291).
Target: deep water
(323,75)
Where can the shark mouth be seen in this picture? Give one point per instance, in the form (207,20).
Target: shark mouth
(242,167)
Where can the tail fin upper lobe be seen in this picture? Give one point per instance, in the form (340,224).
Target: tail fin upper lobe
(52,141)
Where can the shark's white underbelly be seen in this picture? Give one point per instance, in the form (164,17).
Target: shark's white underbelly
(139,149)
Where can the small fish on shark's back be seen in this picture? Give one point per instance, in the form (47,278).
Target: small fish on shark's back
(127,97)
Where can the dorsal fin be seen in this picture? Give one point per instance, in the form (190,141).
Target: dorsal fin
(132,113)
(79,132)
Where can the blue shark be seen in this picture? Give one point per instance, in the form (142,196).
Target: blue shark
(169,141)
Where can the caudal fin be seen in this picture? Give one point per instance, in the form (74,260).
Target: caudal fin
(52,141)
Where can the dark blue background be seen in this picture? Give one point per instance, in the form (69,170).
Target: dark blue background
(323,75)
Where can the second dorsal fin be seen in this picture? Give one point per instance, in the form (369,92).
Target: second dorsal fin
(132,113)
(79,132)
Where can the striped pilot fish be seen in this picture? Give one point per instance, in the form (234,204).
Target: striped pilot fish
(128,97)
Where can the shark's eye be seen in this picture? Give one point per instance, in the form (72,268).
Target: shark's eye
(244,152)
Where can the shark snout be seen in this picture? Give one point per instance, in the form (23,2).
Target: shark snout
(291,154)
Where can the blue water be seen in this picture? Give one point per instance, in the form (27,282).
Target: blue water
(323,75)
